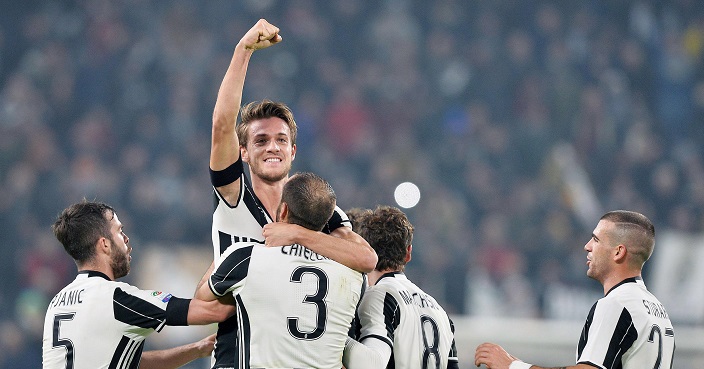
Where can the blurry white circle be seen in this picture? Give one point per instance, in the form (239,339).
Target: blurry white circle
(407,195)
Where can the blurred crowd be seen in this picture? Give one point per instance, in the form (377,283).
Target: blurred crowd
(520,121)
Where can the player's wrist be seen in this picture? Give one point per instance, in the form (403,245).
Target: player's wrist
(517,364)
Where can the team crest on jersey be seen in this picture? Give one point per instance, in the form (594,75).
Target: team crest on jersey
(167,297)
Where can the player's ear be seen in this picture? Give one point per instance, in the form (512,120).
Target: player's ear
(619,254)
(409,250)
(244,154)
(293,152)
(103,246)
(282,212)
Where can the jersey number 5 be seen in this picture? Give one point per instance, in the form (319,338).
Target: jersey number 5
(63,342)
(317,299)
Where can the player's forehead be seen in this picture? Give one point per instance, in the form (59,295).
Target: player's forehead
(603,228)
(114,221)
(269,127)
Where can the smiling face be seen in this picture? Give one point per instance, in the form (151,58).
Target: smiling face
(120,252)
(269,151)
(600,250)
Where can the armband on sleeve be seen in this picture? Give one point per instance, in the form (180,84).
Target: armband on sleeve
(228,175)
(337,220)
(177,311)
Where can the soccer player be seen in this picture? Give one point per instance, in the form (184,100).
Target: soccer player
(295,306)
(265,139)
(97,322)
(355,215)
(628,328)
(400,326)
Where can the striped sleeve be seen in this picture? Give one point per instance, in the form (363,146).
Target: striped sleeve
(231,271)
(379,316)
(136,311)
(607,335)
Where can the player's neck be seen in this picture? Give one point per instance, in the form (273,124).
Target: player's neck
(375,275)
(616,278)
(96,267)
(268,193)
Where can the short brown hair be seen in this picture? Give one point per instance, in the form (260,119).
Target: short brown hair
(356,216)
(389,233)
(80,226)
(310,199)
(635,231)
(261,110)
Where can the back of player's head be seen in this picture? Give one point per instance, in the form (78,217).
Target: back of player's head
(356,215)
(80,226)
(261,110)
(310,199)
(389,233)
(635,231)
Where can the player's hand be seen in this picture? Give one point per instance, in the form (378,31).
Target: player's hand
(262,35)
(493,356)
(280,234)
(205,346)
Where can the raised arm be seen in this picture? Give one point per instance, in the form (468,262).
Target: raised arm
(225,149)
(342,245)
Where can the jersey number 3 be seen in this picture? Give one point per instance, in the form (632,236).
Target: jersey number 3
(317,299)
(63,342)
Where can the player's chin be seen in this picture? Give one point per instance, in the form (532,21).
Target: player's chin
(274,176)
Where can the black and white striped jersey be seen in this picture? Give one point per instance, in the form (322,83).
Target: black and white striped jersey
(417,328)
(627,329)
(241,222)
(238,225)
(97,323)
(295,307)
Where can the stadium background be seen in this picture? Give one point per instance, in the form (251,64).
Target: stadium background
(520,121)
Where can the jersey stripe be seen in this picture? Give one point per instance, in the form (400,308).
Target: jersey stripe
(585,331)
(226,343)
(132,310)
(624,336)
(127,354)
(225,241)
(392,314)
(254,205)
(244,333)
(231,271)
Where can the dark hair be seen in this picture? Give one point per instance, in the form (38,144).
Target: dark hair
(310,200)
(356,216)
(80,226)
(389,233)
(635,231)
(261,110)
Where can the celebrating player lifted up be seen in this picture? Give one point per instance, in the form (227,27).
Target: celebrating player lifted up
(296,305)
(265,139)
